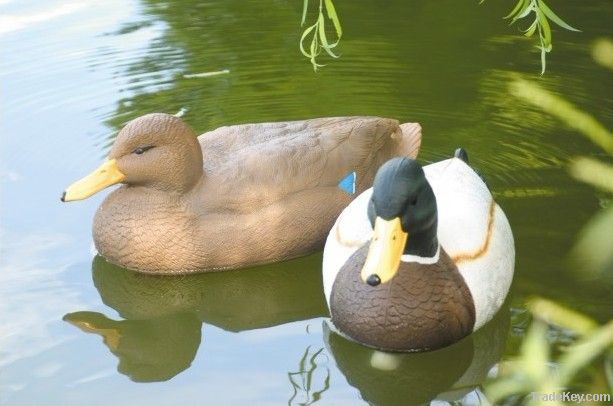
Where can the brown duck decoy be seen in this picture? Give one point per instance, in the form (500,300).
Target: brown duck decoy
(236,196)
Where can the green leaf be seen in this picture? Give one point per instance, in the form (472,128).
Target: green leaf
(334,17)
(322,37)
(305,8)
(545,28)
(560,108)
(594,172)
(543,59)
(592,254)
(524,12)
(313,49)
(530,31)
(501,389)
(583,352)
(304,35)
(519,6)
(554,17)
(554,313)
(535,351)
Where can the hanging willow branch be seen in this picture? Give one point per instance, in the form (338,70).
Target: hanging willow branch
(314,38)
(317,33)
(542,15)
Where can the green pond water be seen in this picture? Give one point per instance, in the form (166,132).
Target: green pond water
(75,330)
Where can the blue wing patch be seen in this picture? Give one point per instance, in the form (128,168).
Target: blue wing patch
(348,183)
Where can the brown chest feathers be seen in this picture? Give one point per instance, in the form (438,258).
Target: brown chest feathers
(423,307)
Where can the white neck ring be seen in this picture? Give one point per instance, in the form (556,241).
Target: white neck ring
(422,260)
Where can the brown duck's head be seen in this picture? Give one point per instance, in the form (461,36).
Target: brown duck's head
(157,151)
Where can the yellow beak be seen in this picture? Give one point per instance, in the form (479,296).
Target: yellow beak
(106,175)
(386,248)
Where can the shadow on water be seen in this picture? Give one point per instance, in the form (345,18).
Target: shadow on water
(451,374)
(163,315)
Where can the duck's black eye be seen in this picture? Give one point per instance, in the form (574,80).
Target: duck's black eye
(142,149)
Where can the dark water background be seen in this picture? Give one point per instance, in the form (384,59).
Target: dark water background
(72,73)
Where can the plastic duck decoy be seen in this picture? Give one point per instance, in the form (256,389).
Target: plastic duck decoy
(419,261)
(237,196)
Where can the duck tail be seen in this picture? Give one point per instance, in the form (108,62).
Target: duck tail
(410,139)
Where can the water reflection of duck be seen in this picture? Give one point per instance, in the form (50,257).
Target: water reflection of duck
(163,315)
(449,374)
(436,267)
(263,192)
(148,350)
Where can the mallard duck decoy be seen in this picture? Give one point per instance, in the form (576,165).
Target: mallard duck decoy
(420,260)
(233,197)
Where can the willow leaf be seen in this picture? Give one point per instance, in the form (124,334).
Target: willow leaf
(545,28)
(305,8)
(334,17)
(530,31)
(322,37)
(583,352)
(543,59)
(518,7)
(523,13)
(535,351)
(304,35)
(553,313)
(554,17)
(314,50)
(594,172)
(503,388)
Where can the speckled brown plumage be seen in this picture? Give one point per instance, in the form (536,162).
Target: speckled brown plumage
(239,195)
(423,307)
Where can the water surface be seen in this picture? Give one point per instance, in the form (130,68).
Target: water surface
(75,330)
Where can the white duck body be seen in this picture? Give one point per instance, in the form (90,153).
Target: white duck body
(472,229)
